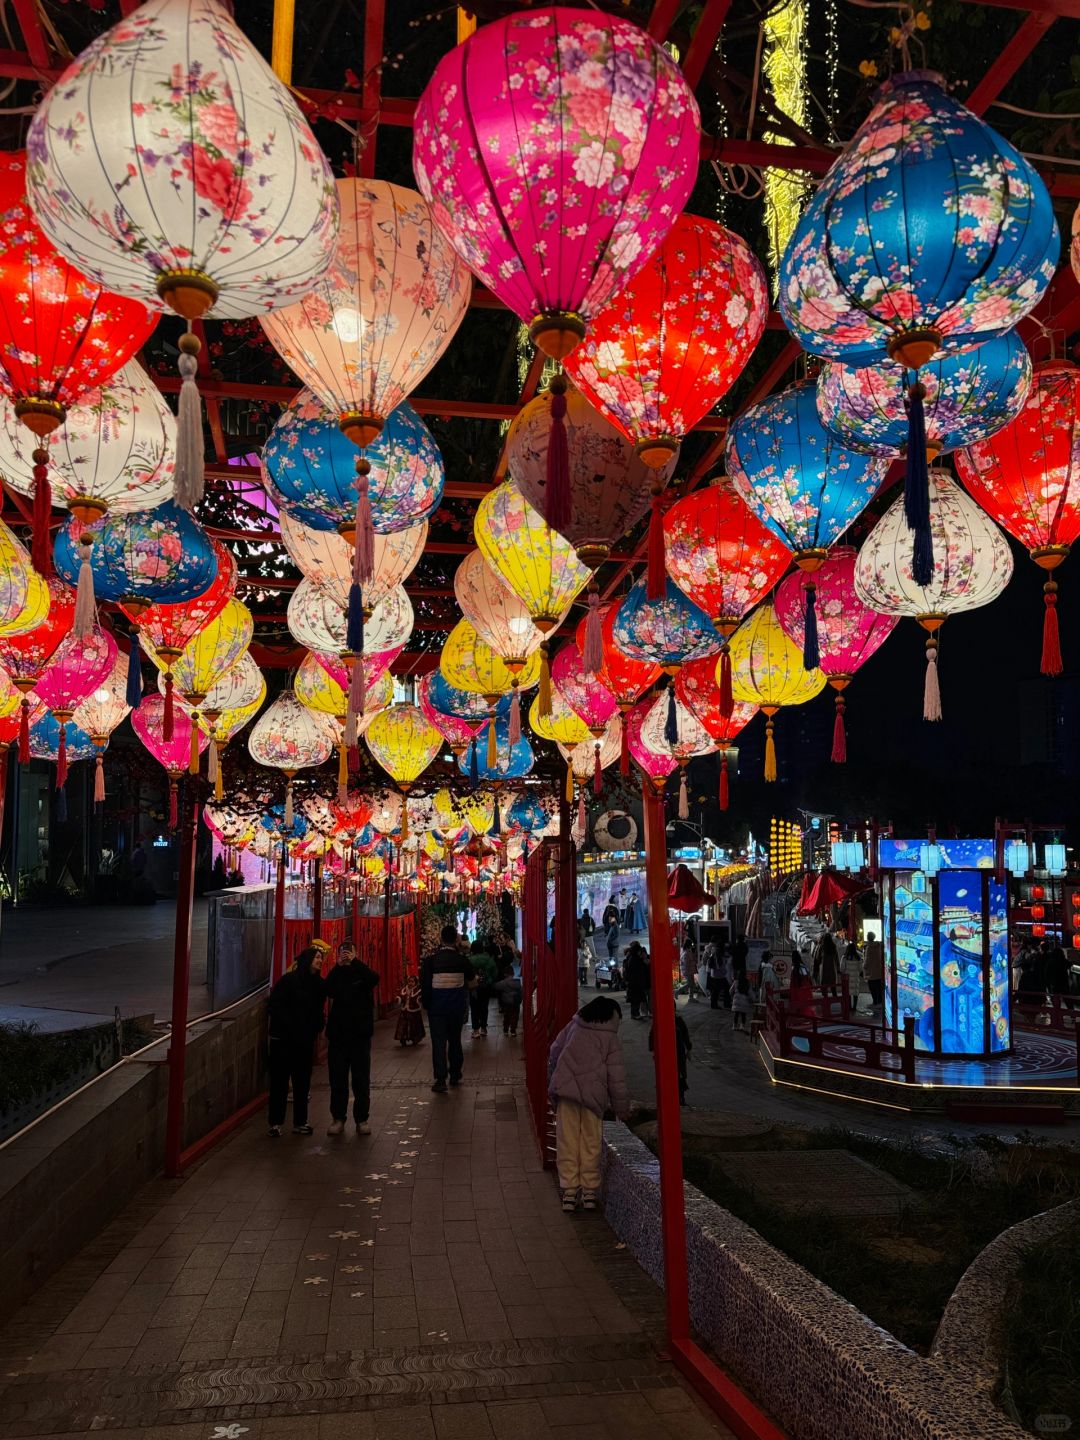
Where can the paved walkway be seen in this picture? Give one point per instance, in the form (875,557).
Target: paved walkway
(420,1283)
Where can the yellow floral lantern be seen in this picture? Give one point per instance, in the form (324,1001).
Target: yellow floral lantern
(319,691)
(767,670)
(500,618)
(404,744)
(563,726)
(471,665)
(24,595)
(234,700)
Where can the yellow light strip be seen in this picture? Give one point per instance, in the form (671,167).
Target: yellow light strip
(784,68)
(281,43)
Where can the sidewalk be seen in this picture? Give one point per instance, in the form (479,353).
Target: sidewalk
(421,1282)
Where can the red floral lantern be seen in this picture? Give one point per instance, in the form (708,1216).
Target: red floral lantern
(25,657)
(622,675)
(1027,477)
(696,688)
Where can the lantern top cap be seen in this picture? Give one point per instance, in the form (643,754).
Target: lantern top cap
(910,77)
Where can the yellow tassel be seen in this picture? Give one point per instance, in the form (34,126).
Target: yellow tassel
(569,785)
(770,751)
(544,702)
(492,745)
(193,762)
(342,774)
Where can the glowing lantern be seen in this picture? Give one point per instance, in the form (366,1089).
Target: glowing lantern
(228,706)
(499,617)
(173,752)
(696,687)
(324,694)
(693,739)
(972,565)
(326,559)
(140,557)
(290,737)
(24,595)
(585,760)
(600,118)
(655,765)
(310,469)
(849,632)
(512,760)
(469,664)
(25,655)
(800,482)
(404,744)
(587,697)
(563,725)
(318,622)
(99,715)
(667,632)
(767,670)
(456,732)
(79,665)
(1027,477)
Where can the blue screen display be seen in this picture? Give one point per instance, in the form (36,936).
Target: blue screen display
(960,961)
(915,955)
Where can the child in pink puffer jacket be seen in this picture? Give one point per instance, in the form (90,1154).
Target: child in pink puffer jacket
(586,1078)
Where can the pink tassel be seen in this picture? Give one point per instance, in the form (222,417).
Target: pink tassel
(174,818)
(624,748)
(85,611)
(61,758)
(581,818)
(684,799)
(839,734)
(656,575)
(24,733)
(1052,663)
(41,546)
(558,458)
(515,719)
(725,784)
(931,689)
(167,716)
(592,656)
(99,782)
(364,549)
(598,771)
(727,698)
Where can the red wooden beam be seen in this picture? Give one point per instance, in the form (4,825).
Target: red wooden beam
(374,17)
(704,42)
(30,24)
(662,18)
(1023,42)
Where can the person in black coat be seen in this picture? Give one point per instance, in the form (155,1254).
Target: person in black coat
(350,989)
(296,1017)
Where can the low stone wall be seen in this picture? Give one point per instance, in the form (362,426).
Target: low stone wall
(816,1363)
(65,1178)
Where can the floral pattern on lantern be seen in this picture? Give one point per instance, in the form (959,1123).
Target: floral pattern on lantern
(403,742)
(24,595)
(495,612)
(969,395)
(656,765)
(587,696)
(556,147)
(582,758)
(214,188)
(174,754)
(106,705)
(211,653)
(624,676)
(25,654)
(667,632)
(317,621)
(563,726)
(512,761)
(290,737)
(145,556)
(928,222)
(49,736)
(767,670)
(309,467)
(455,731)
(537,563)
(719,552)
(326,559)
(386,309)
(693,739)
(469,664)
(76,669)
(320,690)
(697,690)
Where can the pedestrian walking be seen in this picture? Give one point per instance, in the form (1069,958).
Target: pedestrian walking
(636,970)
(350,990)
(296,1013)
(486,967)
(586,1078)
(508,994)
(446,978)
(852,963)
(716,981)
(409,1029)
(611,935)
(742,1003)
(874,969)
(690,970)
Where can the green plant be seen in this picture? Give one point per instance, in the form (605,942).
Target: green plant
(1042,1331)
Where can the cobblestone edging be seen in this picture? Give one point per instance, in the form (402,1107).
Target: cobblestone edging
(821,1367)
(970,1337)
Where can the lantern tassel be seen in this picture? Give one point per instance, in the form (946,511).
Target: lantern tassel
(684,799)
(193,752)
(354,629)
(188,475)
(290,816)
(598,771)
(24,732)
(770,751)
(727,697)
(404,818)
(364,545)
(212,763)
(61,805)
(85,609)
(656,576)
(492,743)
(839,734)
(167,715)
(592,655)
(811,657)
(515,719)
(917,487)
(496,818)
(219,771)
(931,689)
(671,720)
(61,758)
(99,781)
(133,695)
(342,775)
(41,545)
(725,784)
(474,765)
(544,699)
(569,783)
(582,818)
(558,458)
(1052,663)
(624,748)
(174,818)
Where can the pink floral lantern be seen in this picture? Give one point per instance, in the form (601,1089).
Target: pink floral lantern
(556,147)
(148,722)
(75,671)
(697,687)
(849,632)
(457,732)
(655,765)
(587,697)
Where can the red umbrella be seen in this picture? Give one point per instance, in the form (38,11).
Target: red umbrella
(684,891)
(828,889)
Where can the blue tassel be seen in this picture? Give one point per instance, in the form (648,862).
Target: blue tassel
(917,488)
(474,765)
(61,805)
(134,672)
(811,658)
(671,724)
(354,633)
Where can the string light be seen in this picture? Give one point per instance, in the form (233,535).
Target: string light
(784,69)
(832,66)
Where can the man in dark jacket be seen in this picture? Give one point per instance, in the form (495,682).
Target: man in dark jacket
(445,981)
(350,989)
(296,1016)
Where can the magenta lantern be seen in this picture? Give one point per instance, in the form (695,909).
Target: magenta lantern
(848,631)
(75,671)
(656,767)
(588,697)
(556,148)
(148,722)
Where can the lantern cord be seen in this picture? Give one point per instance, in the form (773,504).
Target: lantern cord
(174,818)
(725,784)
(811,657)
(917,487)
(569,783)
(41,546)
(364,545)
(655,576)
(1052,663)
(214,769)
(61,758)
(770,751)
(290,816)
(354,629)
(492,743)
(85,610)
(193,752)
(134,672)
(592,655)
(598,771)
(61,805)
(188,475)
(624,748)
(582,818)
(727,698)
(474,765)
(671,721)
(839,734)
(515,719)
(543,704)
(99,781)
(684,799)
(167,715)
(931,689)
(24,732)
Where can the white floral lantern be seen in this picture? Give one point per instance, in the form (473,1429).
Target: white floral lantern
(318,622)
(290,737)
(327,560)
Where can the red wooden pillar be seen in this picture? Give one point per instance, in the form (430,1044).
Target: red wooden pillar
(356,915)
(278,967)
(316,898)
(177,1053)
(565,946)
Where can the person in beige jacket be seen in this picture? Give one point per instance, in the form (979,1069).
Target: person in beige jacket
(586,1078)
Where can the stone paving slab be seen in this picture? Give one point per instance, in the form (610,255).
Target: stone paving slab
(828,1182)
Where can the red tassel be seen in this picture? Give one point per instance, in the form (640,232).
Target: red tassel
(727,699)
(61,758)
(839,734)
(725,784)
(24,733)
(558,458)
(174,818)
(656,575)
(1051,649)
(592,654)
(354,759)
(167,718)
(598,771)
(624,748)
(41,547)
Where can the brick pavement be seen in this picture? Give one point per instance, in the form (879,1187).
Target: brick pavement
(421,1282)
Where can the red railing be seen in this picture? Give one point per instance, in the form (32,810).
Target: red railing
(820,1040)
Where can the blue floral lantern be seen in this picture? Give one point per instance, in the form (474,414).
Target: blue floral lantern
(449,700)
(800,481)
(527,813)
(514,761)
(141,558)
(45,739)
(970,395)
(311,467)
(669,632)
(273,821)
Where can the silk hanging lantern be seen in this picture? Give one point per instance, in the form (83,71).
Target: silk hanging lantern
(25,655)
(290,737)
(172,752)
(140,557)
(693,739)
(404,744)
(581,764)
(325,693)
(318,622)
(562,725)
(309,467)
(512,761)
(625,677)
(929,233)
(972,565)
(207,657)
(79,665)
(376,679)
(500,618)
(48,735)
(696,687)
(849,632)
(655,765)
(469,664)
(98,716)
(228,705)
(587,697)
(600,116)
(767,670)
(666,632)
(1027,477)
(24,595)
(456,732)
